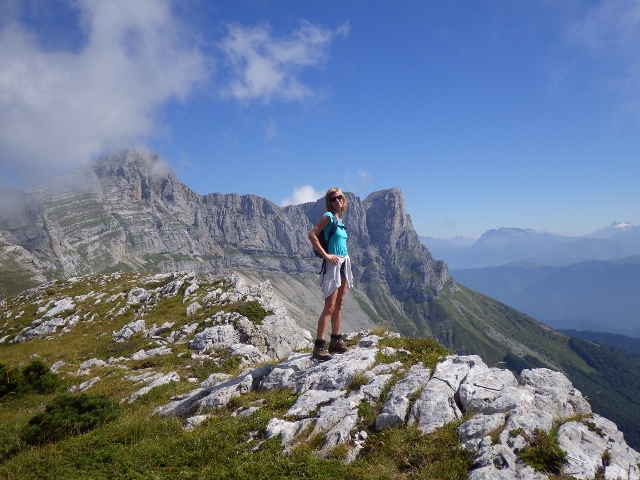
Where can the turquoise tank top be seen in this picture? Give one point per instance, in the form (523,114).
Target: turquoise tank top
(338,242)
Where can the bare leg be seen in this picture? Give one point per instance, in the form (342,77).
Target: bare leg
(336,316)
(327,315)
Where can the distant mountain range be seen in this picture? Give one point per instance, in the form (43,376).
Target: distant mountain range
(506,245)
(581,283)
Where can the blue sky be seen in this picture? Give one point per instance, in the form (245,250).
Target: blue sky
(486,114)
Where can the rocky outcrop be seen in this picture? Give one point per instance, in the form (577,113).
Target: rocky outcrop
(501,412)
(273,338)
(497,415)
(22,214)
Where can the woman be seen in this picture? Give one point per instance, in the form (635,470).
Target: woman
(337,277)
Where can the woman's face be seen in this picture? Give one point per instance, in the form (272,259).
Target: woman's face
(337,200)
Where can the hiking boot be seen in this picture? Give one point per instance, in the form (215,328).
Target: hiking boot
(320,352)
(336,345)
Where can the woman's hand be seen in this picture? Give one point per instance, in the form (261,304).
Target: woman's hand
(333,259)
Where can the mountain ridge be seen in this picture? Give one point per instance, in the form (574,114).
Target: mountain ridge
(132,214)
(506,245)
(128,211)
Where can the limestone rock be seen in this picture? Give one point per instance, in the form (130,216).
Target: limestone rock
(129,331)
(169,377)
(154,352)
(587,443)
(84,385)
(555,393)
(219,336)
(504,411)
(394,412)
(482,385)
(473,431)
(437,406)
(137,295)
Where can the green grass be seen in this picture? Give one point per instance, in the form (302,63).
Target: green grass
(138,444)
(414,350)
(252,310)
(407,453)
(543,452)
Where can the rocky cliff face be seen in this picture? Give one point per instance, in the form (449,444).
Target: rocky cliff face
(129,212)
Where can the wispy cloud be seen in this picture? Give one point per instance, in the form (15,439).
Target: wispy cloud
(59,109)
(609,24)
(358,180)
(62,107)
(610,33)
(270,129)
(265,67)
(302,194)
(364,176)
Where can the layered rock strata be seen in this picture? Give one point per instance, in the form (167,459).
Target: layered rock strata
(128,210)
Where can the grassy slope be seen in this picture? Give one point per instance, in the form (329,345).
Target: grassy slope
(139,445)
(630,344)
(143,446)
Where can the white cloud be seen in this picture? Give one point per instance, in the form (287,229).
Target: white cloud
(358,181)
(265,67)
(280,153)
(59,109)
(609,24)
(302,195)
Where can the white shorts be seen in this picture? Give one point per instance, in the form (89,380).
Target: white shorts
(332,279)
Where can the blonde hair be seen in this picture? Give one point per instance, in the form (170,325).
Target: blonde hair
(327,200)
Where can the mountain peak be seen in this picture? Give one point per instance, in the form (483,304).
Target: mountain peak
(617,230)
(620,225)
(133,161)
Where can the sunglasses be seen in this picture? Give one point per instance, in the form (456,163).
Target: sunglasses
(337,197)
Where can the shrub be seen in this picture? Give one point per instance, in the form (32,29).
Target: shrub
(35,377)
(543,452)
(253,311)
(39,378)
(10,380)
(69,415)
